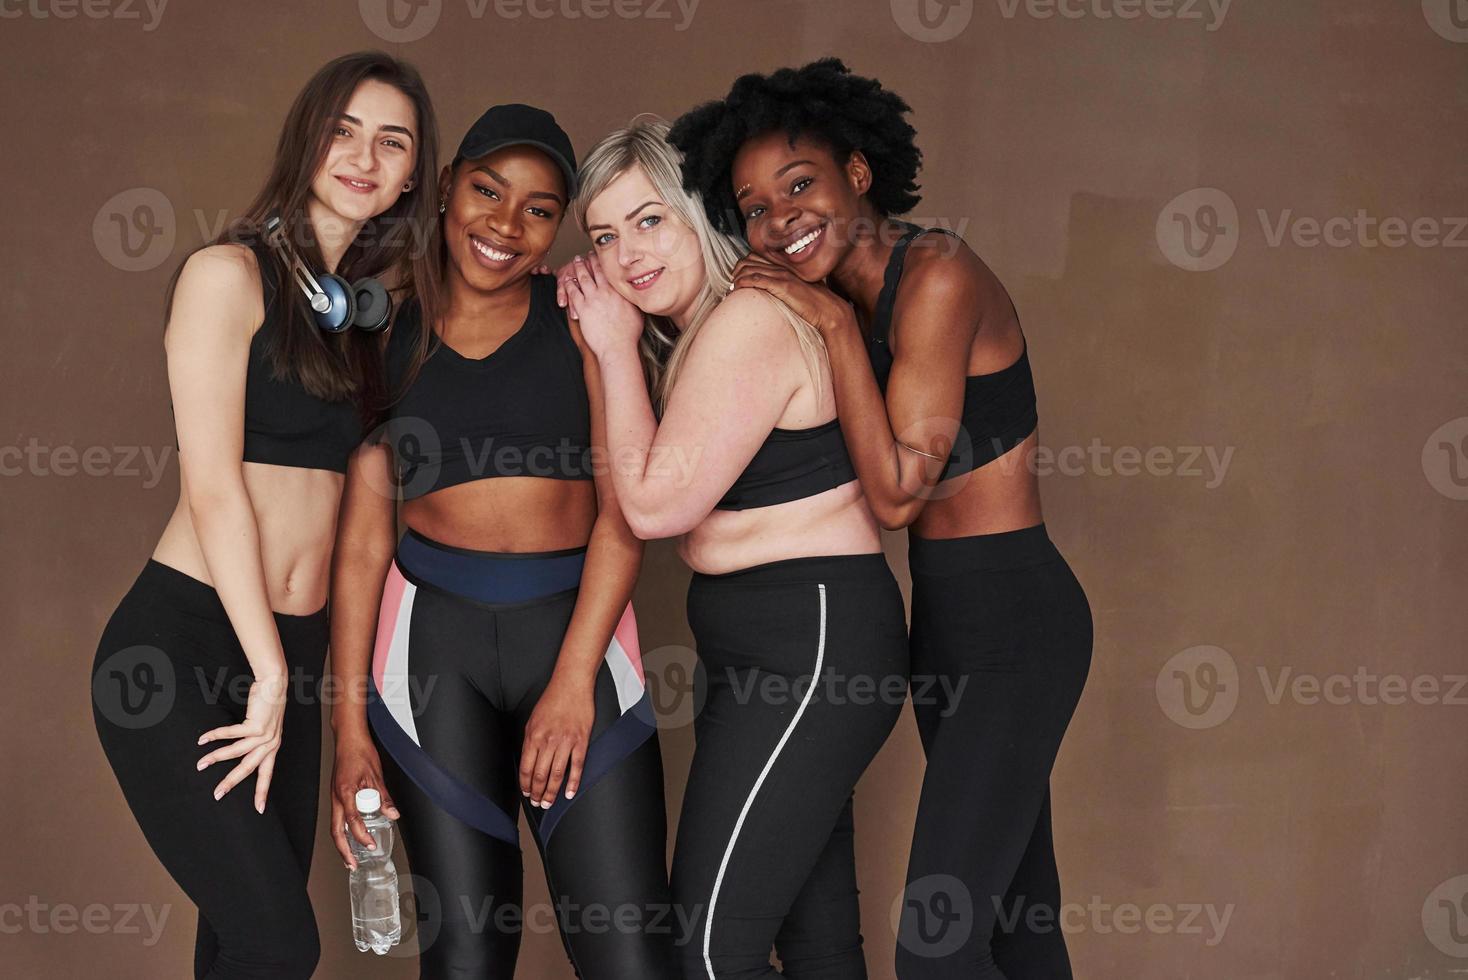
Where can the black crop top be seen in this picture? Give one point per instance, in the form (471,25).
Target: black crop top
(791,464)
(284,423)
(522,410)
(998,408)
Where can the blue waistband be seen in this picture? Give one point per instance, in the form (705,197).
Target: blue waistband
(490,576)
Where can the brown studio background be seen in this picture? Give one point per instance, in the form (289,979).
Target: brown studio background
(1334,542)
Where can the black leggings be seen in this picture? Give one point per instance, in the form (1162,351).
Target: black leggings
(466,642)
(804,674)
(168,669)
(1001,645)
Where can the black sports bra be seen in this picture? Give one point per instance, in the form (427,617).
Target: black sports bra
(522,410)
(791,464)
(998,408)
(284,423)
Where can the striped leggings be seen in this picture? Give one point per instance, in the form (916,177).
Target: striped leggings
(803,673)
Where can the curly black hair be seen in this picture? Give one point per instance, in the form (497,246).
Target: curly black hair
(821,100)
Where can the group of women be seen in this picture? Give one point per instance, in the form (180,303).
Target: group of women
(753,308)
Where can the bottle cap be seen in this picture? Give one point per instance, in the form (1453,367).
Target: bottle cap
(368,801)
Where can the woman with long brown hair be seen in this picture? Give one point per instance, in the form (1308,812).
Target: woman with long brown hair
(215,653)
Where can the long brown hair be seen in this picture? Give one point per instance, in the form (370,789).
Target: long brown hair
(393,246)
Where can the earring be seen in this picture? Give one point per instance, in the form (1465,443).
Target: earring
(442,205)
(407,187)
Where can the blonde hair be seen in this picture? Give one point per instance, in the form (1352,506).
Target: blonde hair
(644,143)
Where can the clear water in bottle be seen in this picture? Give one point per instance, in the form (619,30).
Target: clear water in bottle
(376,922)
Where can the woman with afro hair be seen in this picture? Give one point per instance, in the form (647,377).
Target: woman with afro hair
(937,405)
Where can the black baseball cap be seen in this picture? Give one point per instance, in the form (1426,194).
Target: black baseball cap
(516,124)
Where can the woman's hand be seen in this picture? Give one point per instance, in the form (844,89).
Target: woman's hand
(556,738)
(257,738)
(608,321)
(356,766)
(565,274)
(812,302)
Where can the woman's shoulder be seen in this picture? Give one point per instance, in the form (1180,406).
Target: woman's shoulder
(228,266)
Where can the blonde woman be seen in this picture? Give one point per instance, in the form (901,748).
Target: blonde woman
(798,621)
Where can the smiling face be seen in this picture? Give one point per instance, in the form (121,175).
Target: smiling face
(798,202)
(651,255)
(503,213)
(372,154)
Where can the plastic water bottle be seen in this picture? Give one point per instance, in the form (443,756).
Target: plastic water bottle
(376,922)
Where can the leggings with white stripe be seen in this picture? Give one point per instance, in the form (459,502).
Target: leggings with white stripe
(804,667)
(466,642)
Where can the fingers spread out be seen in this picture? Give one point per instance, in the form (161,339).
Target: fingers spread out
(228,731)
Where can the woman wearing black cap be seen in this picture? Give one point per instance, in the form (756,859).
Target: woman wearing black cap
(491,677)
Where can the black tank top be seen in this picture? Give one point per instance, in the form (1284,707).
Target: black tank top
(284,423)
(791,464)
(520,411)
(999,409)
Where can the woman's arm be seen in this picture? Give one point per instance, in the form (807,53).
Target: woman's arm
(739,374)
(559,728)
(366,535)
(216,308)
(920,414)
